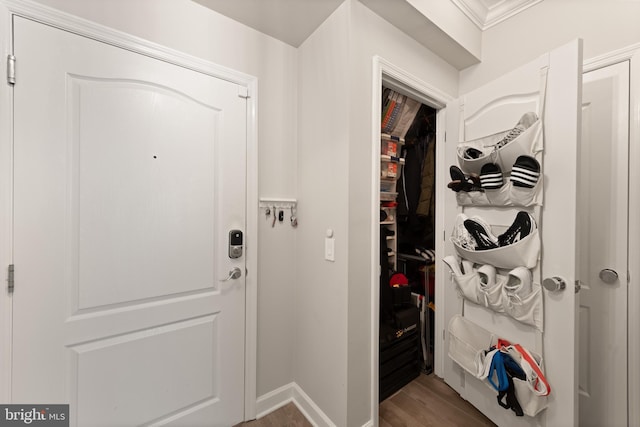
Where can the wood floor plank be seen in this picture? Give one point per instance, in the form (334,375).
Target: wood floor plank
(429,389)
(397,416)
(427,401)
(425,415)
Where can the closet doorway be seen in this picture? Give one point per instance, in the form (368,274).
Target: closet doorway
(408,161)
(407,243)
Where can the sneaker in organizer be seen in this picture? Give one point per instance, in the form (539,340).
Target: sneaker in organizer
(523,124)
(519,282)
(522,226)
(481,233)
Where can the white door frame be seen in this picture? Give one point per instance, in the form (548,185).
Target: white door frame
(631,54)
(80,26)
(406,83)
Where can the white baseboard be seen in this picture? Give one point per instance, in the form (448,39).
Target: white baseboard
(274,400)
(292,392)
(309,408)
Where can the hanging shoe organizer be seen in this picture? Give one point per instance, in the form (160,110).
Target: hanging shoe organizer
(524,252)
(475,350)
(501,272)
(514,294)
(507,164)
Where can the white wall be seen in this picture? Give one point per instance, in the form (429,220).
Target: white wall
(333,340)
(604,26)
(323,150)
(191,28)
(371,36)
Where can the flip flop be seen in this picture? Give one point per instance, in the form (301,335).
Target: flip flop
(461,182)
(525,172)
(491,176)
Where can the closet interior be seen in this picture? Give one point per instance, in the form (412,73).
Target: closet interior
(407,255)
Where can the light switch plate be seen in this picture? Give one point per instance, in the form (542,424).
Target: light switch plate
(330,249)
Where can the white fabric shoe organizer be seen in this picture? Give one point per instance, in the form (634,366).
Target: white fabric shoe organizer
(514,295)
(529,142)
(523,253)
(469,347)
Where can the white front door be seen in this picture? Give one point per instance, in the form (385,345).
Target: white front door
(495,107)
(129,175)
(603,241)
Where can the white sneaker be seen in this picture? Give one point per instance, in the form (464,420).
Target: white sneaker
(524,123)
(467,266)
(453,264)
(460,235)
(487,275)
(519,282)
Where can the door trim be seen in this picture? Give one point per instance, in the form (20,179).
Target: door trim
(386,72)
(83,27)
(631,54)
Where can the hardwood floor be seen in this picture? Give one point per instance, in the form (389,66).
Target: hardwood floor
(426,401)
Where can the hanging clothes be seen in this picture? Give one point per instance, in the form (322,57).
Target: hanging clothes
(409,183)
(426,202)
(386,295)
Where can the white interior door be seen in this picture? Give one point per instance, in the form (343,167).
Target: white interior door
(129,174)
(603,242)
(496,107)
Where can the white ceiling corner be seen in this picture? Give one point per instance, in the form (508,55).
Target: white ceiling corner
(487,13)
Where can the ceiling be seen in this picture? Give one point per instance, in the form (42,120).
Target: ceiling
(292,21)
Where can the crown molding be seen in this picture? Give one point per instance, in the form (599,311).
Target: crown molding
(487,16)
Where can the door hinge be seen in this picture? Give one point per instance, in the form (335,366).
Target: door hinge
(11,69)
(10,278)
(243,92)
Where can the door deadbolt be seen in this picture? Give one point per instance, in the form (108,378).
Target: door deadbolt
(235,244)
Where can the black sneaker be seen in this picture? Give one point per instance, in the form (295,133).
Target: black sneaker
(522,226)
(481,233)
(491,176)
